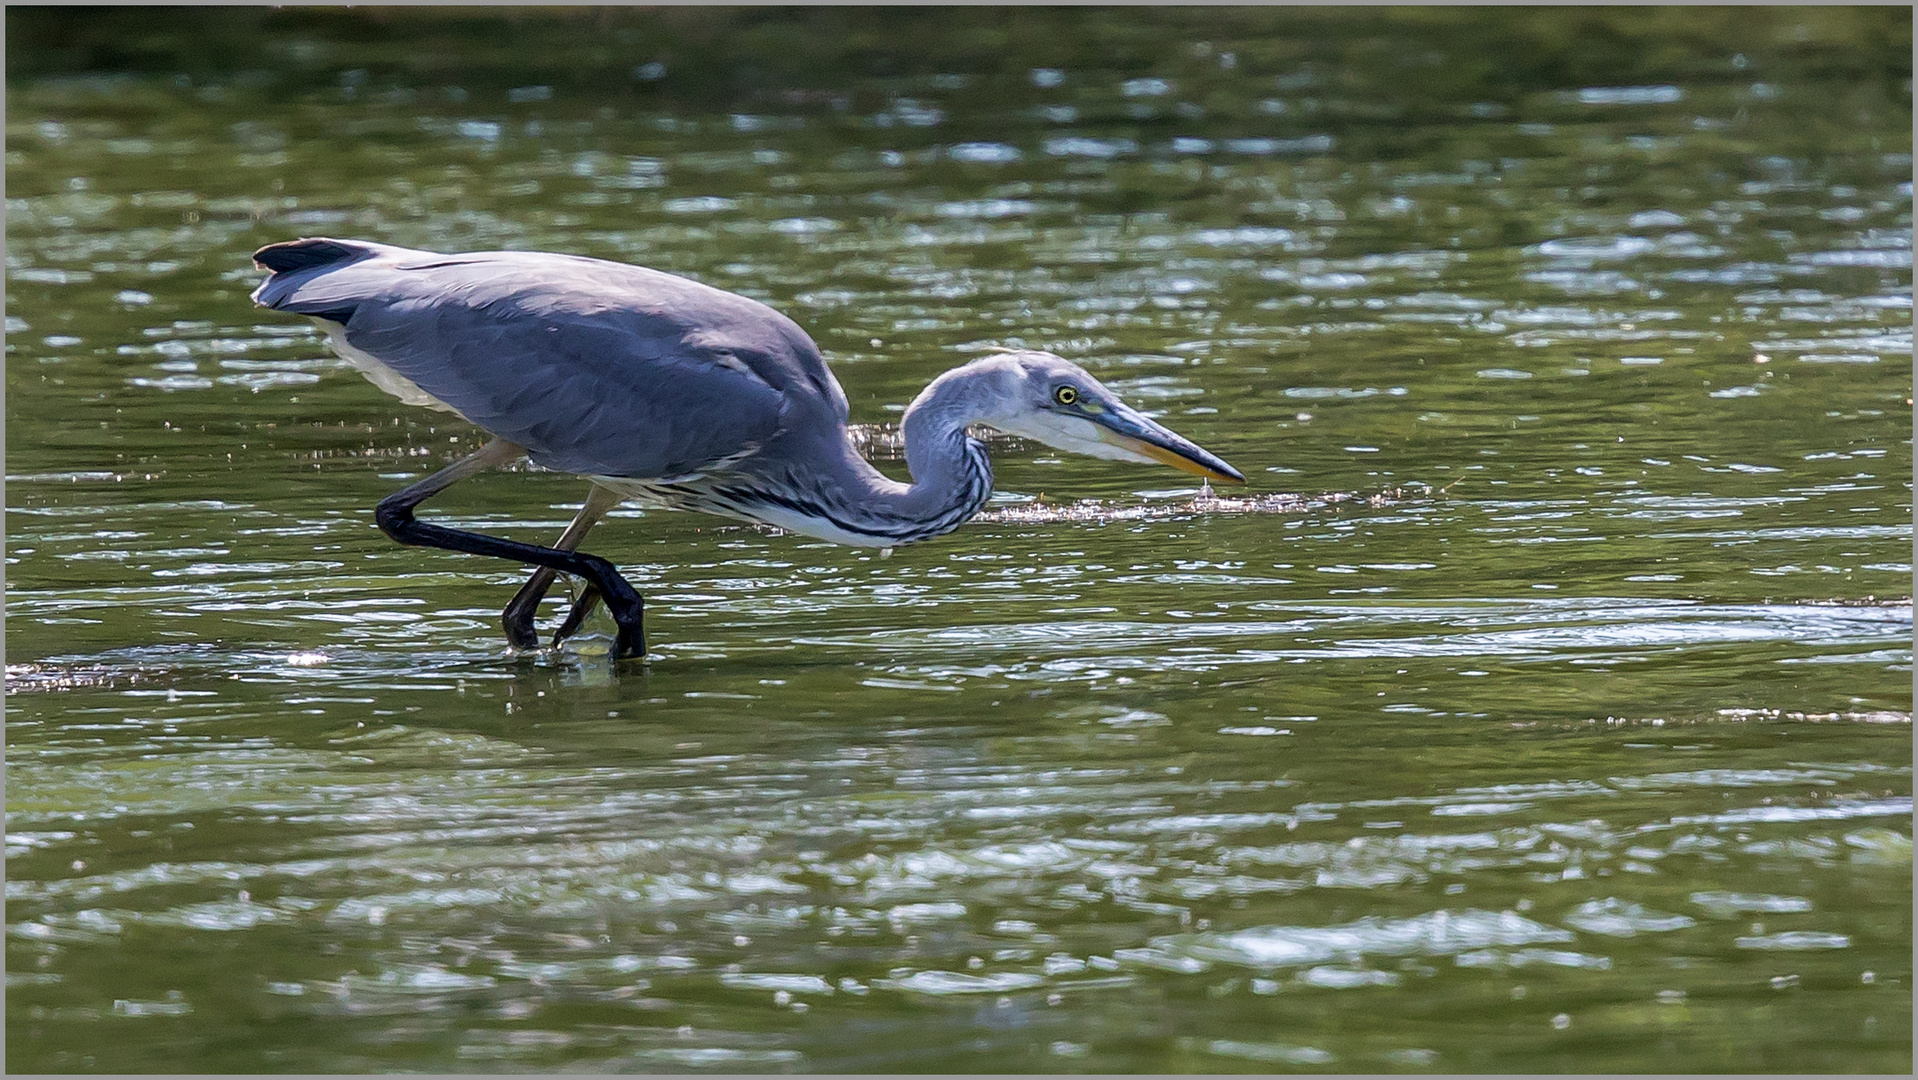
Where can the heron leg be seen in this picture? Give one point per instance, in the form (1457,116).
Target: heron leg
(581,608)
(396,520)
(518,616)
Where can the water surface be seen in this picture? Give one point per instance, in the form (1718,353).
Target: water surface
(1543,704)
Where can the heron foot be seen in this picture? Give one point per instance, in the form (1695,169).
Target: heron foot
(629,643)
(517,619)
(623,603)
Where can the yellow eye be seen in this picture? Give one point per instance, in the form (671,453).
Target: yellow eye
(1065,395)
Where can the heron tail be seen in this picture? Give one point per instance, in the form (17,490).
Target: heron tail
(305,254)
(303,281)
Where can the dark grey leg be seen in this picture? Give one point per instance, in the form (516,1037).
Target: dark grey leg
(518,616)
(517,619)
(395,518)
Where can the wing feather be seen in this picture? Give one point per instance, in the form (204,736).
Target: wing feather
(595,367)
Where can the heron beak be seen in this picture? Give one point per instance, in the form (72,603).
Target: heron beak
(1129,430)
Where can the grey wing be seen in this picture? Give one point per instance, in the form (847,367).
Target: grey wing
(587,385)
(581,392)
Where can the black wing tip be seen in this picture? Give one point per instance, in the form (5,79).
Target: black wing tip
(306,253)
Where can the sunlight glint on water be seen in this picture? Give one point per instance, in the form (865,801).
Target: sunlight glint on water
(1543,703)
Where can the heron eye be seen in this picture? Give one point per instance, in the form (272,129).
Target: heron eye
(1065,395)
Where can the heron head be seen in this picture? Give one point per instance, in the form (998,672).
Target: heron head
(1043,397)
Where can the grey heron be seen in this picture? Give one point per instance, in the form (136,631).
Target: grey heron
(666,391)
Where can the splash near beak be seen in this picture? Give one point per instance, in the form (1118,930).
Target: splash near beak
(1131,431)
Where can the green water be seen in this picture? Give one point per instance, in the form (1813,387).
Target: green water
(1562,723)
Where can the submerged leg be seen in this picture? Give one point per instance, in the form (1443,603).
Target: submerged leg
(395,518)
(518,616)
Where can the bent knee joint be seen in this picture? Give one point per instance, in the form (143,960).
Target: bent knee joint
(610,583)
(395,519)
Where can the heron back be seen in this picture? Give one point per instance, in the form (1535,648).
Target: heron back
(595,367)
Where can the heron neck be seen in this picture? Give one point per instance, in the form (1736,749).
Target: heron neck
(951,475)
(831,492)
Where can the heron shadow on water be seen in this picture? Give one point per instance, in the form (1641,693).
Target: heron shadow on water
(670,393)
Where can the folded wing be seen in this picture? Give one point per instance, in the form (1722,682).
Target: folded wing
(595,367)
